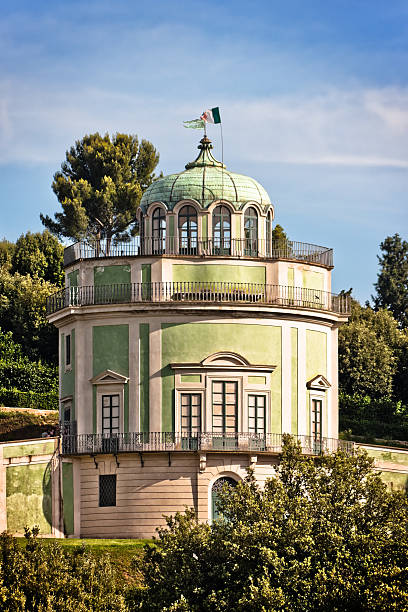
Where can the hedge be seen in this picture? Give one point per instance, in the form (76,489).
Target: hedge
(28,399)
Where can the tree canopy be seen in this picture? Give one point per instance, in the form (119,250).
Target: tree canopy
(100,186)
(325,534)
(22,311)
(39,254)
(392,283)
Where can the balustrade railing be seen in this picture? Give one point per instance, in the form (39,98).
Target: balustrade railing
(198,292)
(168,245)
(92,444)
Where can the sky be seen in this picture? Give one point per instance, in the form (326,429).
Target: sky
(313,99)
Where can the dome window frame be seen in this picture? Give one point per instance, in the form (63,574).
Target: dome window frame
(251,231)
(159,227)
(188,237)
(221,236)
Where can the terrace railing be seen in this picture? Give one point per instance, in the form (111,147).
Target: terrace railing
(199,292)
(93,444)
(232,247)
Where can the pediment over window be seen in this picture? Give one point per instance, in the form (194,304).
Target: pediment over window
(232,359)
(319,382)
(223,361)
(108,377)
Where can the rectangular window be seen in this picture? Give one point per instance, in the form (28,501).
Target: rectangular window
(225,406)
(317,420)
(67,414)
(107,490)
(191,412)
(110,414)
(256,414)
(68,349)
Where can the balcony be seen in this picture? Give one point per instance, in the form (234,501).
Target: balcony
(99,444)
(199,293)
(175,247)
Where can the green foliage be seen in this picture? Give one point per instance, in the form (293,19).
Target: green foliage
(100,186)
(29,399)
(325,535)
(6,253)
(373,355)
(21,424)
(392,283)
(46,578)
(23,310)
(382,418)
(279,234)
(39,254)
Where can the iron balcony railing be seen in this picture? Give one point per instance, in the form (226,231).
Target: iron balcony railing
(96,444)
(199,292)
(167,245)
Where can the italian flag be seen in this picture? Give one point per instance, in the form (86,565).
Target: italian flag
(211,115)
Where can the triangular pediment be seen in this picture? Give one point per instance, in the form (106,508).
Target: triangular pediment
(319,382)
(109,377)
(225,359)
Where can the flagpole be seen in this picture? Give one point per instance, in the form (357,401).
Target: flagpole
(222,161)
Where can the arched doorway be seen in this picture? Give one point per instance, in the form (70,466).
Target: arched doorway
(218,484)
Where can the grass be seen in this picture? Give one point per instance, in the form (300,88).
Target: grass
(126,555)
(24,424)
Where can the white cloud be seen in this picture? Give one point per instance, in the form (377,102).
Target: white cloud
(357,128)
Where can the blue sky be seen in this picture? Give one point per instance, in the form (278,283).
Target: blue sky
(313,97)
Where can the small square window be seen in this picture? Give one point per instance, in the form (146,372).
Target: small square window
(107,490)
(68,349)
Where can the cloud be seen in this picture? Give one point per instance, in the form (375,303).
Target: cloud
(364,127)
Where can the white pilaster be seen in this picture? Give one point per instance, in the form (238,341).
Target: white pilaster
(302,401)
(286,380)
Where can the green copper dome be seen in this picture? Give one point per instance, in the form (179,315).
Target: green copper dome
(205,180)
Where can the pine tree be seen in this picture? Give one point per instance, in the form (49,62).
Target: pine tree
(392,283)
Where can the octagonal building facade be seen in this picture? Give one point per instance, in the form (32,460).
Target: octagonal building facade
(186,353)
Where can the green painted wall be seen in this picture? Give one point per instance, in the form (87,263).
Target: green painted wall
(73,278)
(68,377)
(237,226)
(68,497)
(313,280)
(294,379)
(389,455)
(144,373)
(146,273)
(291,277)
(28,497)
(395,480)
(29,448)
(257,380)
(170,232)
(192,342)
(111,275)
(110,350)
(316,363)
(218,273)
(204,227)
(190,378)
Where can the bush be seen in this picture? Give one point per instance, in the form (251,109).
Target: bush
(380,418)
(326,534)
(46,578)
(28,399)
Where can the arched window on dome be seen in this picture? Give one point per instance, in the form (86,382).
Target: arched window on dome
(187,230)
(158,231)
(251,232)
(216,515)
(221,230)
(268,234)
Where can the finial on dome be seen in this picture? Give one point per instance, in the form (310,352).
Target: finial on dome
(205,157)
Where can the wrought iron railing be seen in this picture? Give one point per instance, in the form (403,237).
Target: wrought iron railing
(232,247)
(199,292)
(93,444)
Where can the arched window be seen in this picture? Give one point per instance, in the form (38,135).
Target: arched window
(187,227)
(251,232)
(218,484)
(222,230)
(158,231)
(268,234)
